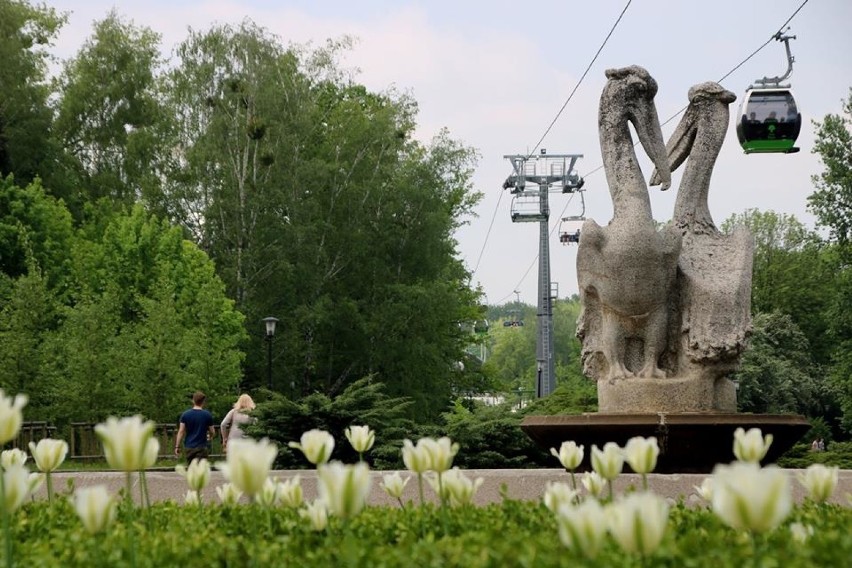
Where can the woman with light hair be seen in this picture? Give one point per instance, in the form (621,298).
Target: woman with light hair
(231,427)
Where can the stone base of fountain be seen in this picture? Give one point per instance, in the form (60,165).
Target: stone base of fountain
(675,394)
(689,442)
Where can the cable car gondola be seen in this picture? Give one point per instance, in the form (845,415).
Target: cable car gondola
(769,119)
(569,227)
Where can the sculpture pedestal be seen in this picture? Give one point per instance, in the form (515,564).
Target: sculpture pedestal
(689,442)
(675,394)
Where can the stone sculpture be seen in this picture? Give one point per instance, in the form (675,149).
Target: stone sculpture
(665,313)
(627,269)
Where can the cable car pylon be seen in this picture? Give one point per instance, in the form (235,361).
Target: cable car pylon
(532,179)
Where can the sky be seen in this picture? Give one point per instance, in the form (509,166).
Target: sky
(497,73)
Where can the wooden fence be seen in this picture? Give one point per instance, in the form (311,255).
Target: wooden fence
(83,443)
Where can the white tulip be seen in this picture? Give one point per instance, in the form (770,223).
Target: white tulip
(441,453)
(317,514)
(751,446)
(290,492)
(95,507)
(16,487)
(268,495)
(197,475)
(801,533)
(13,457)
(125,441)
(594,484)
(582,527)
(11,416)
(460,488)
(192,498)
(394,485)
(229,494)
(35,480)
(152,452)
(361,438)
(705,490)
(609,461)
(416,458)
(317,446)
(747,497)
(344,488)
(820,481)
(638,522)
(558,494)
(641,454)
(570,455)
(248,464)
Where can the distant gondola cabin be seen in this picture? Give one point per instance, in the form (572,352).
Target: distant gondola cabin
(769,121)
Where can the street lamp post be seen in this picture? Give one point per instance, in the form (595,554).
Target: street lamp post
(270,333)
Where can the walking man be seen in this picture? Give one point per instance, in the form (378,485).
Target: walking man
(196,424)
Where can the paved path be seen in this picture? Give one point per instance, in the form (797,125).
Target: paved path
(519,484)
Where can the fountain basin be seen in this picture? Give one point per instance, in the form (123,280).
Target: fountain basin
(689,442)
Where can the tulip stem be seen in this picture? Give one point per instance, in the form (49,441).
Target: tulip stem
(645,481)
(573,480)
(143,485)
(6,535)
(130,506)
(609,484)
(420,487)
(49,482)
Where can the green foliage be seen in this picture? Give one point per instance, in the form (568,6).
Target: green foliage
(801,456)
(363,403)
(794,273)
(25,117)
(777,374)
(512,533)
(832,200)
(109,116)
(491,437)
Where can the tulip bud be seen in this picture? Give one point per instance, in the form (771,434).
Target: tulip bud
(317,514)
(582,528)
(16,487)
(11,416)
(801,533)
(12,457)
(228,494)
(152,452)
(570,455)
(705,490)
(751,446)
(290,493)
(416,458)
(641,454)
(819,481)
(638,522)
(95,507)
(394,485)
(460,488)
(191,498)
(344,488)
(268,495)
(197,475)
(594,484)
(558,494)
(317,446)
(608,463)
(441,453)
(361,438)
(248,464)
(125,441)
(747,497)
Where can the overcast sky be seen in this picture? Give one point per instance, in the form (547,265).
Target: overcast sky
(496,73)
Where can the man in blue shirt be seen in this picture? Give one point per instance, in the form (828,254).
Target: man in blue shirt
(196,424)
